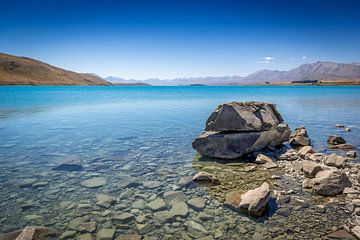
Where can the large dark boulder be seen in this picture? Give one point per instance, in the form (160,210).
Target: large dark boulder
(238,128)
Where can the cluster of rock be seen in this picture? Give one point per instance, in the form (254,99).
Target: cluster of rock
(238,128)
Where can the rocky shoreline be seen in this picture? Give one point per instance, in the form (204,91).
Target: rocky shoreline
(153,195)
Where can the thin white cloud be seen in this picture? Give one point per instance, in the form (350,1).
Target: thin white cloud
(292,58)
(266,60)
(303,58)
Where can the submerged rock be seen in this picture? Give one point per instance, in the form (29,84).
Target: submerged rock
(238,128)
(299,137)
(94,182)
(335,140)
(344,146)
(69,164)
(254,201)
(205,176)
(330,182)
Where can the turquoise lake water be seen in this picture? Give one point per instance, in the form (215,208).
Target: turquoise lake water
(149,131)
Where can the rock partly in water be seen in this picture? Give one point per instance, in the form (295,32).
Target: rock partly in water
(335,140)
(205,176)
(237,128)
(344,146)
(255,201)
(300,137)
(71,163)
(334,160)
(351,154)
(330,182)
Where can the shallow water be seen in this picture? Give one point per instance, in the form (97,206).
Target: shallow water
(144,134)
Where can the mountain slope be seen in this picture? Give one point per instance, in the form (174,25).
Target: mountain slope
(26,71)
(311,71)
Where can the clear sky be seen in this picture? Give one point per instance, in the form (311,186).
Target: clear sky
(171,38)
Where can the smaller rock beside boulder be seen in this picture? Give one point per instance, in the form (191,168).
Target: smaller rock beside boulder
(335,140)
(289,155)
(263,159)
(334,160)
(330,182)
(255,201)
(305,150)
(299,137)
(205,177)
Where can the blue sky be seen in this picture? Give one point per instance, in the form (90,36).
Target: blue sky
(169,39)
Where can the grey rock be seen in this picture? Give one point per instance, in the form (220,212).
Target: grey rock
(243,116)
(106,234)
(123,217)
(197,203)
(157,204)
(205,176)
(71,163)
(104,200)
(330,182)
(310,168)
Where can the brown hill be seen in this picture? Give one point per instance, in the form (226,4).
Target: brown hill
(26,71)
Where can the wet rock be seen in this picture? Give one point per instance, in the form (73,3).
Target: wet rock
(179,209)
(330,182)
(69,164)
(351,154)
(195,229)
(106,234)
(138,204)
(185,181)
(174,196)
(289,155)
(123,217)
(104,200)
(27,205)
(339,125)
(205,176)
(282,199)
(334,160)
(40,184)
(27,182)
(157,205)
(164,216)
(299,137)
(310,169)
(347,129)
(143,228)
(197,203)
(335,140)
(205,217)
(254,201)
(88,227)
(344,146)
(68,234)
(85,236)
(305,150)
(151,184)
(34,218)
(130,183)
(235,129)
(232,199)
(129,237)
(94,182)
(341,234)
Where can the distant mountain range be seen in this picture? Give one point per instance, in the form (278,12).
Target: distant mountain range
(26,71)
(310,71)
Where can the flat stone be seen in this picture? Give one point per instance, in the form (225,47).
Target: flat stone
(334,160)
(88,227)
(104,200)
(341,234)
(157,205)
(71,163)
(344,146)
(27,182)
(85,236)
(195,228)
(284,211)
(174,196)
(129,237)
(143,228)
(179,209)
(197,203)
(356,231)
(261,159)
(164,216)
(106,234)
(300,201)
(67,234)
(94,182)
(138,204)
(123,217)
(151,184)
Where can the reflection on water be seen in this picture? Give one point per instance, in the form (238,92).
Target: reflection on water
(138,139)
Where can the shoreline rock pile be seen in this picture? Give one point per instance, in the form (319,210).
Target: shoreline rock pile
(238,128)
